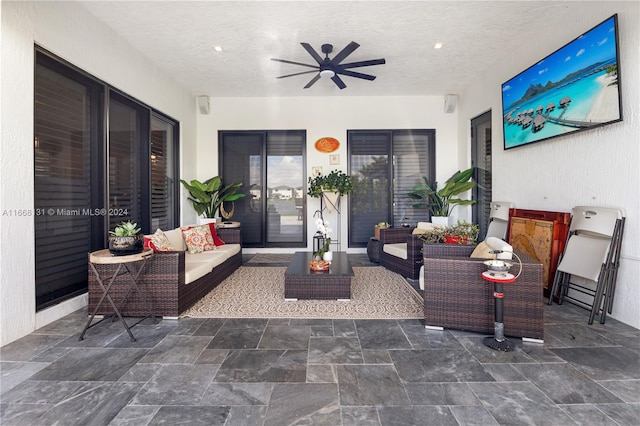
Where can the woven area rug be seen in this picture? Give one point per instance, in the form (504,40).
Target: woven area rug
(251,292)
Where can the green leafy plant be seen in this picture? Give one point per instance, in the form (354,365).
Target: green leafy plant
(125,229)
(461,233)
(441,202)
(208,196)
(336,180)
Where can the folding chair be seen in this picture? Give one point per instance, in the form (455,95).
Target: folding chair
(499,219)
(587,269)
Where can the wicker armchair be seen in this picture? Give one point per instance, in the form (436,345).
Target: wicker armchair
(407,267)
(457,297)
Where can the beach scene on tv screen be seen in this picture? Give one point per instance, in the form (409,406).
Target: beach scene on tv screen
(574,88)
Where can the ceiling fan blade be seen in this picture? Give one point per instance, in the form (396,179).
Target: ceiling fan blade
(313,80)
(294,63)
(298,73)
(338,81)
(344,53)
(355,74)
(363,63)
(312,52)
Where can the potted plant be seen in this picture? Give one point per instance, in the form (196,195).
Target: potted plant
(126,239)
(441,202)
(207,197)
(378,227)
(461,233)
(330,187)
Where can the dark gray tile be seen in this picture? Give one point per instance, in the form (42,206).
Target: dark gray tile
(623,414)
(238,334)
(439,366)
(141,373)
(177,350)
(370,385)
(246,415)
(146,337)
(566,385)
(51,354)
(209,327)
(186,326)
(376,356)
(135,415)
(92,364)
(627,390)
(344,328)
(588,414)
(504,373)
(514,403)
(176,384)
(304,403)
(441,394)
(311,322)
(28,347)
(322,374)
(574,336)
(41,392)
(417,415)
(321,331)
(212,356)
(473,416)
(237,394)
(14,373)
(475,345)
(263,366)
(22,414)
(335,350)
(106,400)
(360,416)
(193,416)
(422,338)
(288,337)
(381,334)
(601,363)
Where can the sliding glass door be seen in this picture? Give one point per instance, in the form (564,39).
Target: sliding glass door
(100,157)
(385,165)
(270,166)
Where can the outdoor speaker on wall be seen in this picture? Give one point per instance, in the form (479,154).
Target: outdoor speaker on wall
(203,104)
(450,102)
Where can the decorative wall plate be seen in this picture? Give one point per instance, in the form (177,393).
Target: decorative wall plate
(327,144)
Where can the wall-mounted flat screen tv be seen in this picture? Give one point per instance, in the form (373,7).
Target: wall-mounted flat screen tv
(575,88)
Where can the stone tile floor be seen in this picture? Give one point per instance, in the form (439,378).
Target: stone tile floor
(323,372)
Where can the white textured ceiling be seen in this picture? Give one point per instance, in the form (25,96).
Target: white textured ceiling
(477,35)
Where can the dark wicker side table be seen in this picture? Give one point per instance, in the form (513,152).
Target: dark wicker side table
(373,250)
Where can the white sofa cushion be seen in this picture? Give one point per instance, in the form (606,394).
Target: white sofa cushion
(198,265)
(229,249)
(396,249)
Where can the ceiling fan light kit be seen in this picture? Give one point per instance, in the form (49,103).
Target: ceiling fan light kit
(332,68)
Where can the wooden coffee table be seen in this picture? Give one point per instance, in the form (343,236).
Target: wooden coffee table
(300,282)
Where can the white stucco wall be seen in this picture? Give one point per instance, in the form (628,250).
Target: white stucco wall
(329,116)
(69,31)
(597,167)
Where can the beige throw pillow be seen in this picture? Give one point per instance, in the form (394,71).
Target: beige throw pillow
(482,251)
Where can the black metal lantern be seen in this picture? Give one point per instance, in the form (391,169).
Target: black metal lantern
(318,241)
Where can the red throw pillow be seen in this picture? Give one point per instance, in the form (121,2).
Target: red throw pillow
(149,244)
(216,240)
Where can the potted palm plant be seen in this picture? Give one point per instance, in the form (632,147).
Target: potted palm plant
(441,202)
(207,197)
(126,239)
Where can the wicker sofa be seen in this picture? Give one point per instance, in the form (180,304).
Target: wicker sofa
(163,279)
(456,296)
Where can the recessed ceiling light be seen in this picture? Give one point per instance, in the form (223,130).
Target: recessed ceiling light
(217,48)
(438,46)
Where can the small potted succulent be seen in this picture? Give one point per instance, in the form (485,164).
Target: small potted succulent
(126,239)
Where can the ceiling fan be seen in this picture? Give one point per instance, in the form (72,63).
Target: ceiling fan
(332,68)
